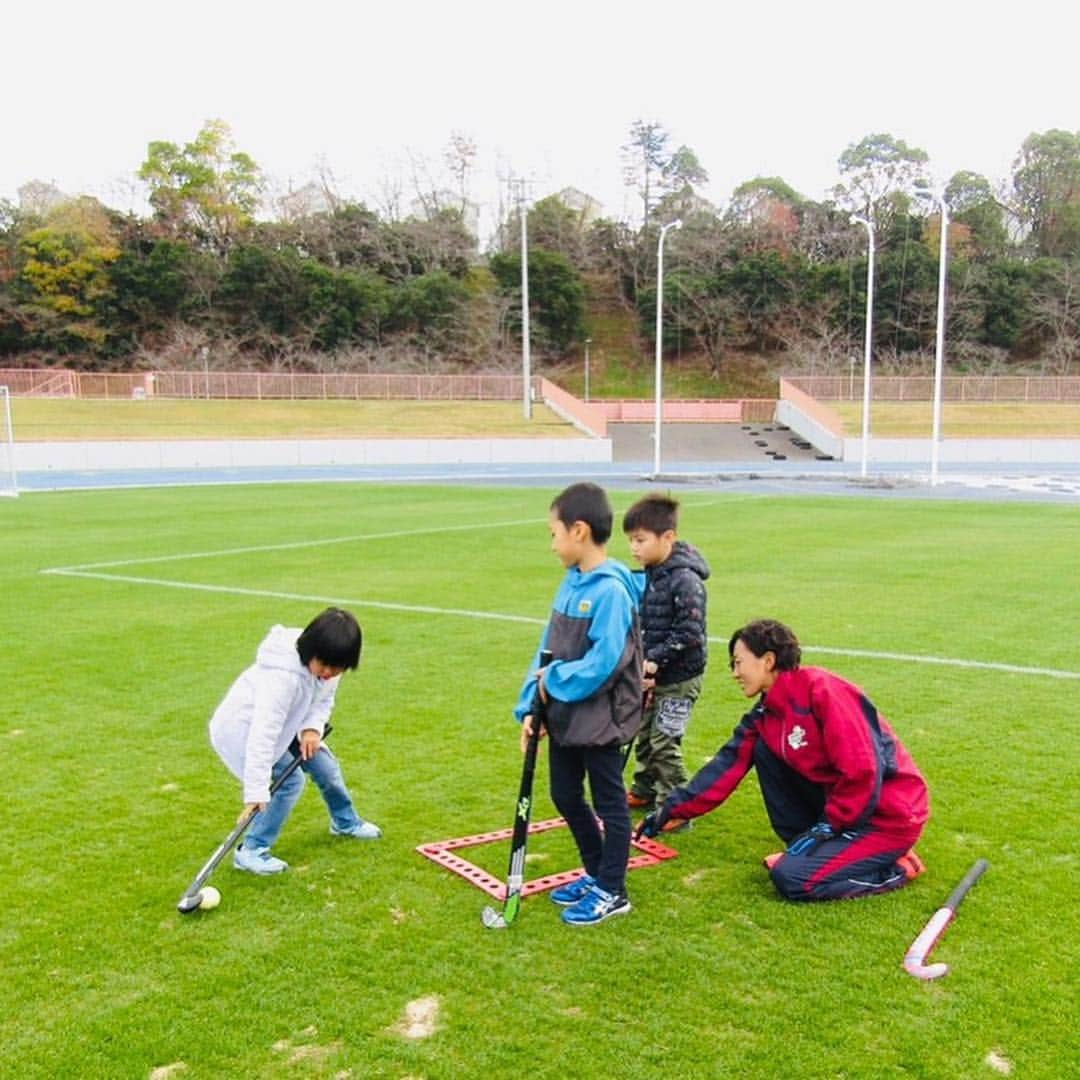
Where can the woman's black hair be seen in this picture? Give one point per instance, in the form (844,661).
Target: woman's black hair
(333,637)
(768,635)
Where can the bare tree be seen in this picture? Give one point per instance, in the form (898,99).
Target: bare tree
(1057,317)
(644,159)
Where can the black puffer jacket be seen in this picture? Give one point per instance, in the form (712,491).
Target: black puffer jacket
(673,615)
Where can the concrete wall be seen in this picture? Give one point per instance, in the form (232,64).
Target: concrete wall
(262,453)
(821,426)
(973,451)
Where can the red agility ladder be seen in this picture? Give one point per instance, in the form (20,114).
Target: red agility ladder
(443,853)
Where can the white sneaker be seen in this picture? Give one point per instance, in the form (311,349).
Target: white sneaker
(362,830)
(258,861)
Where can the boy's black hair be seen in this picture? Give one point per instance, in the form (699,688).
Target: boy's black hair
(768,635)
(333,637)
(654,513)
(585,502)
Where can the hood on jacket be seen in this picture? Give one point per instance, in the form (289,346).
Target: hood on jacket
(684,554)
(632,582)
(278,649)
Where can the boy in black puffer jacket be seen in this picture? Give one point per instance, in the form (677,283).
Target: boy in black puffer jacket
(675,645)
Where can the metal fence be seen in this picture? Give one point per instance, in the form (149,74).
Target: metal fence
(705,410)
(260,385)
(973,388)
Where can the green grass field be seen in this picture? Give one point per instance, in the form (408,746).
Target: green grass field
(51,419)
(115,798)
(964,419)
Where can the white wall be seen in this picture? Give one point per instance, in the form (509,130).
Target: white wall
(959,451)
(953,451)
(255,453)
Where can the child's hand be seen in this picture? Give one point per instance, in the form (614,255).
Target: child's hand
(527,730)
(648,674)
(250,808)
(310,741)
(541,689)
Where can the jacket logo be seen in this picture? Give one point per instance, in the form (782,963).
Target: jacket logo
(797,737)
(584,607)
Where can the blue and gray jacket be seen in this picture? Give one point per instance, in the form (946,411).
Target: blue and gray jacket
(594,682)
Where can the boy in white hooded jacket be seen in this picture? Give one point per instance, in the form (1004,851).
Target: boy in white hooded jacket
(287,694)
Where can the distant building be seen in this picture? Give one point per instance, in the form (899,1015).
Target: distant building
(581,203)
(684,203)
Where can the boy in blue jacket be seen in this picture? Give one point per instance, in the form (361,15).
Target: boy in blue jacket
(593,700)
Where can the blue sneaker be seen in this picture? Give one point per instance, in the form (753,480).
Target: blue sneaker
(572,893)
(258,861)
(362,830)
(596,906)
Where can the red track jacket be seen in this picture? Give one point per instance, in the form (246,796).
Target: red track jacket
(828,731)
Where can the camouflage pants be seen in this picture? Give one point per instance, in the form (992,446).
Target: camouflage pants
(658,749)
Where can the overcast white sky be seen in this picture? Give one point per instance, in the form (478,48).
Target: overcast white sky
(548,90)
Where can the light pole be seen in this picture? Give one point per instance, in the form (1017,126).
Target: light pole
(526,367)
(676,224)
(869,337)
(939,350)
(588,342)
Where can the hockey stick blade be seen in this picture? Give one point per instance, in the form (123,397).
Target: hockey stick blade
(915,960)
(493,919)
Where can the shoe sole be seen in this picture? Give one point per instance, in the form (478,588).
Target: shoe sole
(603,918)
(681,827)
(259,873)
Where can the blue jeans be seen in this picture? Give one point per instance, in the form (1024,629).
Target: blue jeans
(324,769)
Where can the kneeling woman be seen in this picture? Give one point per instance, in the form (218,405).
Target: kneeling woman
(839,787)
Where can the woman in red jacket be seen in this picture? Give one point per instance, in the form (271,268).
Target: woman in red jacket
(839,787)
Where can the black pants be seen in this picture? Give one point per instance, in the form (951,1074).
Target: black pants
(861,863)
(604,852)
(792,802)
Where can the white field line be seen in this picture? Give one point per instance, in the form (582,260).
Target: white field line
(915,658)
(422,609)
(297,545)
(464,613)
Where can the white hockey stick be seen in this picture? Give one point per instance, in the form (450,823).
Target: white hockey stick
(915,958)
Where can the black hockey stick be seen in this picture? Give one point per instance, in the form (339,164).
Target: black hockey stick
(192,897)
(515,878)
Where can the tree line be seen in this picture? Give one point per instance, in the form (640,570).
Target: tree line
(328,283)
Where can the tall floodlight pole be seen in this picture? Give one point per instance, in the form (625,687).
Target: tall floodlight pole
(526,366)
(939,350)
(867,347)
(676,224)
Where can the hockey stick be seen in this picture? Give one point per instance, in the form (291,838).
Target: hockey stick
(515,878)
(915,958)
(192,897)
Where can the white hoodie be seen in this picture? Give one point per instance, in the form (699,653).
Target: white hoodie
(268,705)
